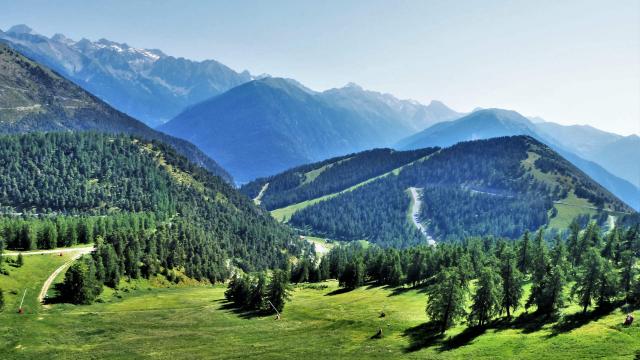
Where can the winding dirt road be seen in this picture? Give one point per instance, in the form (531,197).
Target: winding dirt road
(78,252)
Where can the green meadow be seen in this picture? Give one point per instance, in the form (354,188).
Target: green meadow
(144,319)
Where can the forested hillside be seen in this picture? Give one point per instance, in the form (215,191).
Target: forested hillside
(151,204)
(327,177)
(501,187)
(34,98)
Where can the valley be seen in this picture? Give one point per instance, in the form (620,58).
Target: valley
(161,206)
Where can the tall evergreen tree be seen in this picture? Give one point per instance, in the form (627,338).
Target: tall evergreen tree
(353,274)
(446,299)
(511,282)
(524,256)
(628,272)
(539,273)
(586,287)
(486,299)
(608,284)
(80,284)
(279,289)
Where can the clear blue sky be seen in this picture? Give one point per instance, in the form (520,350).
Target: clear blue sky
(567,61)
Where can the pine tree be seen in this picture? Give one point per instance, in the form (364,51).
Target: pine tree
(446,299)
(258,291)
(511,282)
(628,272)
(573,244)
(486,300)
(608,284)
(353,274)
(238,291)
(539,272)
(612,245)
(279,289)
(586,286)
(80,285)
(524,258)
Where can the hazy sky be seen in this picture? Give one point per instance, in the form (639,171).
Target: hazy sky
(572,62)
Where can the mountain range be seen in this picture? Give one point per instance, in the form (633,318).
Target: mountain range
(585,147)
(146,84)
(272,124)
(35,99)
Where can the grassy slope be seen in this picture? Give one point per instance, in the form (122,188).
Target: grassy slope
(568,208)
(194,322)
(30,276)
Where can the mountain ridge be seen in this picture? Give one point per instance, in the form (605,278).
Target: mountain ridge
(34,98)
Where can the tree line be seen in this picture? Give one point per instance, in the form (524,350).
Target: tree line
(600,269)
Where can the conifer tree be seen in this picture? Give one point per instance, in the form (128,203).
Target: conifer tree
(258,290)
(279,289)
(353,274)
(608,284)
(446,299)
(511,282)
(524,256)
(486,299)
(586,286)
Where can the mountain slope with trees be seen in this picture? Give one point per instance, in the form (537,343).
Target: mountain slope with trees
(591,150)
(34,98)
(326,177)
(146,207)
(502,187)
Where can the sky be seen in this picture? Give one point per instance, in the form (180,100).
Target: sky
(571,62)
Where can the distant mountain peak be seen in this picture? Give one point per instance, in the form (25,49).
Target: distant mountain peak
(20,29)
(352,85)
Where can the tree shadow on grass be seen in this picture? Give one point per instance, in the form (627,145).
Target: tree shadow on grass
(462,339)
(422,336)
(527,322)
(574,321)
(243,313)
(420,288)
(338,291)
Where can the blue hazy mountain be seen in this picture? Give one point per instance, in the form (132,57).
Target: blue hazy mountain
(620,155)
(590,153)
(144,83)
(269,125)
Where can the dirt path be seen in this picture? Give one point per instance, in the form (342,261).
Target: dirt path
(52,277)
(258,198)
(83,250)
(415,214)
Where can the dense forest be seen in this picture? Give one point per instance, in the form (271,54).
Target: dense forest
(56,180)
(473,188)
(333,175)
(599,268)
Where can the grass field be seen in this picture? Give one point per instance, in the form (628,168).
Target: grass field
(319,322)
